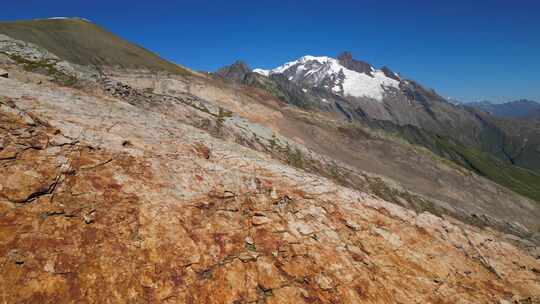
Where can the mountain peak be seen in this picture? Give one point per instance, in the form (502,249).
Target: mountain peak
(241,65)
(235,72)
(346,55)
(525,102)
(343,76)
(346,59)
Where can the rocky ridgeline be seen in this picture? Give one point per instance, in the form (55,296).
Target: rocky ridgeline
(226,125)
(25,50)
(105,199)
(206,112)
(123,91)
(38,59)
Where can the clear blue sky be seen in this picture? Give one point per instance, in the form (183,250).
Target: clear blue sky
(464,49)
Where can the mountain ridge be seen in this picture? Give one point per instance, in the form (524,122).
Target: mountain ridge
(521,108)
(82,42)
(409,104)
(361,80)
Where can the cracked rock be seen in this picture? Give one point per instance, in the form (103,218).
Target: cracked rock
(324,282)
(258,220)
(164,235)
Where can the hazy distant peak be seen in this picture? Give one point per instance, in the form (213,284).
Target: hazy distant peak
(521,108)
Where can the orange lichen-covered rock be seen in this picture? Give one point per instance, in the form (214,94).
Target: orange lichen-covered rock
(89,220)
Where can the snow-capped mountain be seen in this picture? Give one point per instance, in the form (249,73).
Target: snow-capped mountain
(343,76)
(348,87)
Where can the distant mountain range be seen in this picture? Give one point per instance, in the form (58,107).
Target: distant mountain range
(522,108)
(356,91)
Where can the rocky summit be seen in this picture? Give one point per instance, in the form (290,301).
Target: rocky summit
(131,185)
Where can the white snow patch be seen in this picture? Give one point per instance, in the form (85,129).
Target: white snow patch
(354,84)
(63,18)
(302,60)
(359,84)
(262,72)
(304,90)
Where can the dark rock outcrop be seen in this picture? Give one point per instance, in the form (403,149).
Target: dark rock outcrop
(359,66)
(235,72)
(389,73)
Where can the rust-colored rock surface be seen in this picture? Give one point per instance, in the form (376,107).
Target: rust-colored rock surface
(102,201)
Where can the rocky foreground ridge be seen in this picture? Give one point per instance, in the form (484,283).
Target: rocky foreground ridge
(105,202)
(109,194)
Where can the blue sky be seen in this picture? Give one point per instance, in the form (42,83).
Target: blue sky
(463,49)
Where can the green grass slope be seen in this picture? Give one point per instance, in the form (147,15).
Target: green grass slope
(85,43)
(520,180)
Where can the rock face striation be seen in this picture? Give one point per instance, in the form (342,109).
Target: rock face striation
(180,194)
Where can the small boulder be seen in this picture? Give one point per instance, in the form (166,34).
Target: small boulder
(324,282)
(249,240)
(4,73)
(352,225)
(260,219)
(89,217)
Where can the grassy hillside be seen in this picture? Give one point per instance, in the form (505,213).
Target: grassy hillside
(520,180)
(521,140)
(85,43)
